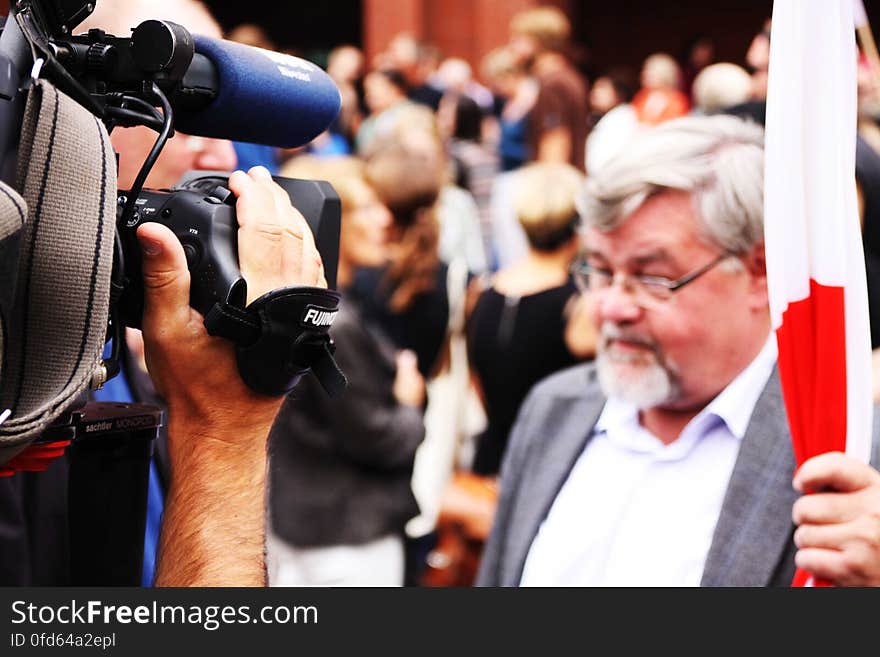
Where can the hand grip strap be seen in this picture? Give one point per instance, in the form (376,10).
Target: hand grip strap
(280,337)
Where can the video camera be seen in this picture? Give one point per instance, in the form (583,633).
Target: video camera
(162,77)
(211,88)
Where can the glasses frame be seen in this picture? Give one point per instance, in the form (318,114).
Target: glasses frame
(580,270)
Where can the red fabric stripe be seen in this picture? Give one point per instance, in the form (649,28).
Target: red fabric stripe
(812,366)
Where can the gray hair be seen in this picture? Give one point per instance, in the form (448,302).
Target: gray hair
(719,160)
(721,85)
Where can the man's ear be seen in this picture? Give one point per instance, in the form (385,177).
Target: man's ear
(756,268)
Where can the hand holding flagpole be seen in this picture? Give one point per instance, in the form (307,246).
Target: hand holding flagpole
(815,262)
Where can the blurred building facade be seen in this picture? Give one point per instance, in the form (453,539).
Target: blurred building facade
(606,34)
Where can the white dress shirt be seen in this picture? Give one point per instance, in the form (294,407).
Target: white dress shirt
(636,512)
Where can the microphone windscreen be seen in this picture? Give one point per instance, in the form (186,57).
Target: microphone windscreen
(264,97)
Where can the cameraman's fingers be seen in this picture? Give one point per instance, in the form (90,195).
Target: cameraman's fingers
(285,232)
(256,204)
(285,214)
(301,263)
(166,279)
(322,277)
(261,248)
(308,269)
(262,176)
(312,265)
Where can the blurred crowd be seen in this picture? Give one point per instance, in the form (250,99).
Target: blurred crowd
(460,194)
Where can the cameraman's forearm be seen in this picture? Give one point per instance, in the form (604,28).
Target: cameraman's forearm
(213,531)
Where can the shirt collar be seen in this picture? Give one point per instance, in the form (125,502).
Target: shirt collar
(733,405)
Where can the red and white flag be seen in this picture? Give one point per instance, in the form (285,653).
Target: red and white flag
(815,263)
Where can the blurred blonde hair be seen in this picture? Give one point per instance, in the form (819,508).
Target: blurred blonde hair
(408,182)
(413,127)
(345,63)
(414,130)
(546,202)
(548,26)
(721,85)
(498,63)
(346,174)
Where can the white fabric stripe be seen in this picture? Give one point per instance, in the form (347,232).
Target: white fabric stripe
(860,17)
(785,224)
(811,218)
(859,373)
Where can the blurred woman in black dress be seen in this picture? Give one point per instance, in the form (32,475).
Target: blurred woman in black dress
(529,321)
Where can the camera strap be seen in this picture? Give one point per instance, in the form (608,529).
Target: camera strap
(13,213)
(55,325)
(281,336)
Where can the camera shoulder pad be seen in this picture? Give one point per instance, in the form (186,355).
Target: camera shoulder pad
(281,336)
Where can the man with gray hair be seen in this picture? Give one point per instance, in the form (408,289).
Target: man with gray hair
(669,461)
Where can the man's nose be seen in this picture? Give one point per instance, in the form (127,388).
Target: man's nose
(617,304)
(216,154)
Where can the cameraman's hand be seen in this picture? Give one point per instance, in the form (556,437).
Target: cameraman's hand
(195,372)
(275,244)
(213,529)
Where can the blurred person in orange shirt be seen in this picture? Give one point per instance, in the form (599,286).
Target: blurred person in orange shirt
(660,98)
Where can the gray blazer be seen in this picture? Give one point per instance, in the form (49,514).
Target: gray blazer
(752,544)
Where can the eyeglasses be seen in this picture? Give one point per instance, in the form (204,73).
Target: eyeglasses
(645,289)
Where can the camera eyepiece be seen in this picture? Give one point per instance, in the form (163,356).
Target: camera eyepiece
(162,47)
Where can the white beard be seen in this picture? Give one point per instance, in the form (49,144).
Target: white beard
(641,379)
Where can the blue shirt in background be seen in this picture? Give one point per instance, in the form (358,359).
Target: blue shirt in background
(252,155)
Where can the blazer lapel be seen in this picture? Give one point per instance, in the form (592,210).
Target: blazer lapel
(560,447)
(755,527)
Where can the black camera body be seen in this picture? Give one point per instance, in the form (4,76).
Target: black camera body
(278,338)
(201,212)
(142,79)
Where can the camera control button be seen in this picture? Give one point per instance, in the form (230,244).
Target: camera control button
(223,195)
(192,255)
